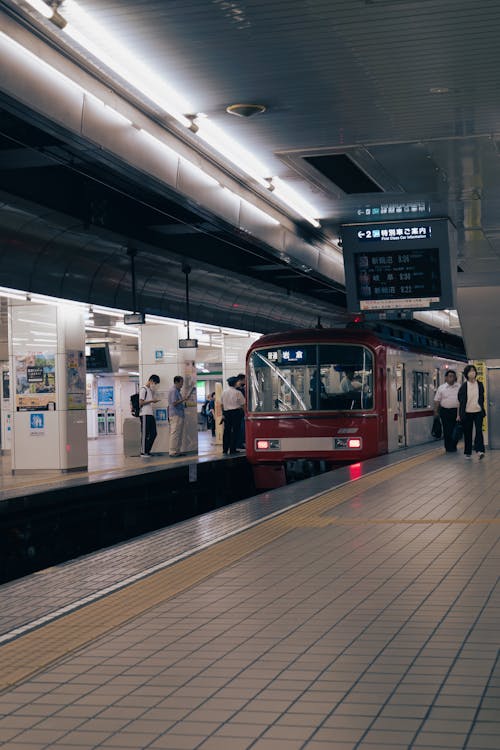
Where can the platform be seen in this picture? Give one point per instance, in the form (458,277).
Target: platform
(358,609)
(106,461)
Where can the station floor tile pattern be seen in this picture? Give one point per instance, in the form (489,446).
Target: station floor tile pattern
(365,618)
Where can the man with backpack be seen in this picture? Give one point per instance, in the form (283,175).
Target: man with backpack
(146,414)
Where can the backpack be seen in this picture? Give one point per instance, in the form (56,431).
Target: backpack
(134,405)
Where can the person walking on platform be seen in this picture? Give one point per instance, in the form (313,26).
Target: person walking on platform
(446,407)
(146,415)
(471,411)
(232,404)
(176,413)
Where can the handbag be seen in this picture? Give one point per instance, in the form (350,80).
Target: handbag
(437,430)
(458,432)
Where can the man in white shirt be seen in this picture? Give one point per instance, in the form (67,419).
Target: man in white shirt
(446,405)
(233,402)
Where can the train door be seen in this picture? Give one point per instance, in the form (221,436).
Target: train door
(396,407)
(493,408)
(401,397)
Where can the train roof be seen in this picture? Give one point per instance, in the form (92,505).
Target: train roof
(430,341)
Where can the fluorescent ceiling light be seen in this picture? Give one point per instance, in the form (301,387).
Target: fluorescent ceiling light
(285,193)
(95,328)
(231,150)
(123,333)
(12,293)
(112,311)
(36,322)
(41,7)
(91,35)
(266,218)
(45,299)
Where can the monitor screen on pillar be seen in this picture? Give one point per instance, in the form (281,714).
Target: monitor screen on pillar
(98,359)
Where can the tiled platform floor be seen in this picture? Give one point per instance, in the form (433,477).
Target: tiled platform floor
(367,624)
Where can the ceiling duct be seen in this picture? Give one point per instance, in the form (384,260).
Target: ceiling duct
(344,173)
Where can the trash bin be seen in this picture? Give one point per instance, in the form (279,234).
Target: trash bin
(131,436)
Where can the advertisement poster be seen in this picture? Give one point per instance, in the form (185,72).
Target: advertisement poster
(5,384)
(105,395)
(35,381)
(75,376)
(189,387)
(482,375)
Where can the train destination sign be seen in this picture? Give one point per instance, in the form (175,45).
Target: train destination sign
(286,355)
(400,265)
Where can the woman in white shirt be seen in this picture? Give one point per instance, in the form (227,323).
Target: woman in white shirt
(471,411)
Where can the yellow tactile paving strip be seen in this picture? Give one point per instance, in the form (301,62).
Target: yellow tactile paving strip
(37,649)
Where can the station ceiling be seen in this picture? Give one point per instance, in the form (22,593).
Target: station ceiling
(368,104)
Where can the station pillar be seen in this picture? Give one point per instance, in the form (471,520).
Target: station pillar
(159,354)
(234,352)
(47,387)
(5,402)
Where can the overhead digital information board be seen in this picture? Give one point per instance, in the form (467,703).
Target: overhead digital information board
(404,265)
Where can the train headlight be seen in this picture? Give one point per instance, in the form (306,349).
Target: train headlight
(348,443)
(267,445)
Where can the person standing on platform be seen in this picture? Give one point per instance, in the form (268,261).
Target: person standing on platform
(232,404)
(471,411)
(211,413)
(146,415)
(241,387)
(176,412)
(446,407)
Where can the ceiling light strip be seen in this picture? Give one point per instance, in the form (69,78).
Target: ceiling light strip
(91,36)
(295,201)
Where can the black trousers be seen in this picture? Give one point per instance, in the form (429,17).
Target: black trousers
(448,420)
(232,425)
(148,432)
(470,420)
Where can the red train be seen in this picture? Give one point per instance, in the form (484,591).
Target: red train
(339,396)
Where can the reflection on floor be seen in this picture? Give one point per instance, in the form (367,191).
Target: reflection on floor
(105,456)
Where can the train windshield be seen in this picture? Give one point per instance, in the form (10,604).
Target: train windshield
(334,377)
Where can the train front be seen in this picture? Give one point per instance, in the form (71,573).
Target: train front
(312,398)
